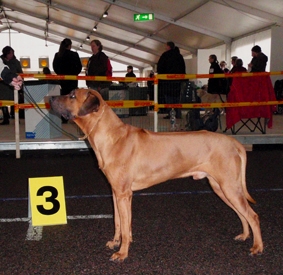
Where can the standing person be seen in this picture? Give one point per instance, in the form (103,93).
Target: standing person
(9,77)
(130,72)
(8,57)
(223,65)
(214,84)
(67,62)
(150,86)
(259,60)
(46,70)
(233,63)
(98,65)
(239,68)
(171,62)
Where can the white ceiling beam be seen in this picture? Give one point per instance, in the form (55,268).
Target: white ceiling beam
(172,21)
(268,17)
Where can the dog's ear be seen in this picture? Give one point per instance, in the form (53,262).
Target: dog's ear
(90,105)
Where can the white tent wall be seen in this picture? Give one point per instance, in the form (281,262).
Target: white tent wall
(276,56)
(191,65)
(34,48)
(242,46)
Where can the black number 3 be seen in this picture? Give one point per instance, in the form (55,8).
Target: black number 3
(52,199)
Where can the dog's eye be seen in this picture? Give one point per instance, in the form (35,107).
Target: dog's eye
(73,96)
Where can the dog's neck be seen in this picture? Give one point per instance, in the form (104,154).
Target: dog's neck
(91,129)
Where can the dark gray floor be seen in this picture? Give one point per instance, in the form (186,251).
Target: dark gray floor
(179,227)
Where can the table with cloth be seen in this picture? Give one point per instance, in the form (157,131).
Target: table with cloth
(250,89)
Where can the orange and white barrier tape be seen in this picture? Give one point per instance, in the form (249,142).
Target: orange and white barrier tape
(155,78)
(147,103)
(6,103)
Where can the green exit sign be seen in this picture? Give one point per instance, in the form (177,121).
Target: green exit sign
(143,17)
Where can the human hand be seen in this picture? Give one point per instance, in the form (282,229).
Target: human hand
(17,82)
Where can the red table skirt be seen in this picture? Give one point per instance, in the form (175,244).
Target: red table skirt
(250,89)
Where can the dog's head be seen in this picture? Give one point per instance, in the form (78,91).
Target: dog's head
(78,103)
(200,92)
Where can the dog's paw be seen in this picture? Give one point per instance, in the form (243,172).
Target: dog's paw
(256,250)
(242,237)
(113,244)
(118,257)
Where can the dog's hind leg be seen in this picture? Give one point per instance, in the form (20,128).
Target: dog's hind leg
(216,188)
(240,203)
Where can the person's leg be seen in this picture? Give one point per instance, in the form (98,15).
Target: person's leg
(6,116)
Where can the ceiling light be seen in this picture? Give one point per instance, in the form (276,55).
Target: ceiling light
(95,28)
(105,14)
(81,46)
(87,38)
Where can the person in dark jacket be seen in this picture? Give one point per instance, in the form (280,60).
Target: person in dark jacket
(14,65)
(171,62)
(98,65)
(11,79)
(233,63)
(130,72)
(67,62)
(223,67)
(239,68)
(150,85)
(259,60)
(214,84)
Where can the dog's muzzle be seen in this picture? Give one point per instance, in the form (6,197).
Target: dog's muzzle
(58,107)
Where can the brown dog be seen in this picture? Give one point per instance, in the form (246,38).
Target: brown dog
(210,98)
(134,159)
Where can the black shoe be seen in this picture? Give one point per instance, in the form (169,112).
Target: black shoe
(166,117)
(5,122)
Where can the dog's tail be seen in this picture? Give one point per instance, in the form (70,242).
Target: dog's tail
(243,157)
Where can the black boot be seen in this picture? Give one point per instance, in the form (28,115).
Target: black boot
(6,116)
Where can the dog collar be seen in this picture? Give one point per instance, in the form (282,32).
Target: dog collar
(87,135)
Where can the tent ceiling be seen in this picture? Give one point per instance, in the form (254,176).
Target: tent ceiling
(192,25)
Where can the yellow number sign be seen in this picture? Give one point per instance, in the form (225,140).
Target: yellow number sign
(47,201)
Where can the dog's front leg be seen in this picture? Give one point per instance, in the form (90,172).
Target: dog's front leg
(124,202)
(117,236)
